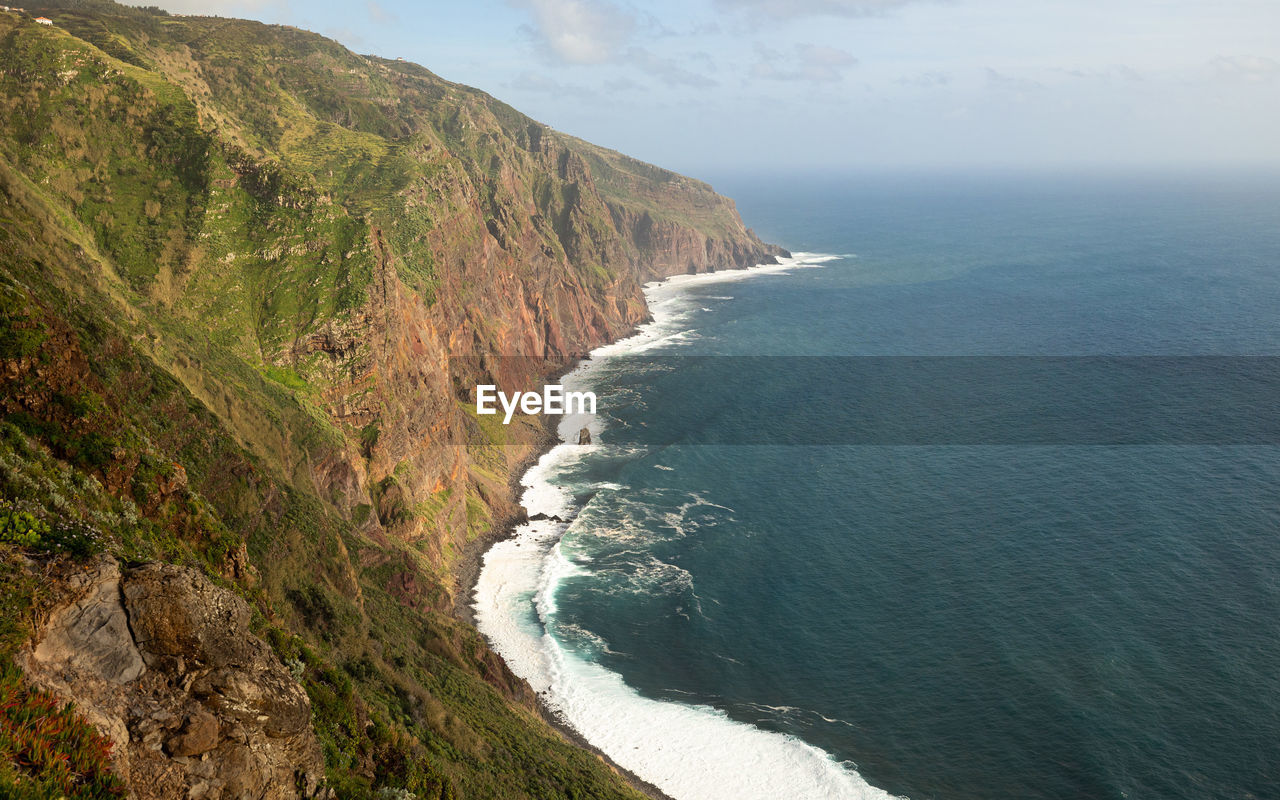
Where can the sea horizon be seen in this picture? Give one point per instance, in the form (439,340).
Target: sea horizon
(714,400)
(564,660)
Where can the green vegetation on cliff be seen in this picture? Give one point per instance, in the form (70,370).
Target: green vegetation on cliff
(235,263)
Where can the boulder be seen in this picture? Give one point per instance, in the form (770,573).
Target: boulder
(91,634)
(161,659)
(199,735)
(182,620)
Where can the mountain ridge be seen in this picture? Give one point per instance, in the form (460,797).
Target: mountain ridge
(238,264)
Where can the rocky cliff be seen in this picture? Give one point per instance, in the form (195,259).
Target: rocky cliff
(162,661)
(247,278)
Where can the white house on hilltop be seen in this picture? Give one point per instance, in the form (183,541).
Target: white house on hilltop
(44,20)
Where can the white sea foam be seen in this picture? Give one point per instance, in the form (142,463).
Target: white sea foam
(691,752)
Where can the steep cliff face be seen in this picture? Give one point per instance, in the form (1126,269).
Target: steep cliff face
(348,223)
(247,280)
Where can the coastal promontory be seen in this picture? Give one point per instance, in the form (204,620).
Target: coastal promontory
(247,277)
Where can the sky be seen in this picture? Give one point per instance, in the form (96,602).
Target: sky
(707,86)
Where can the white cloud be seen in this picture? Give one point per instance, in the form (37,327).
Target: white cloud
(668,70)
(579,31)
(621,85)
(586,32)
(379,14)
(925,80)
(1113,73)
(808,63)
(536,82)
(1020,86)
(1250,69)
(786,9)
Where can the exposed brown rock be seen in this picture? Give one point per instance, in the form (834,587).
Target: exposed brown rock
(183,622)
(212,714)
(199,735)
(505,311)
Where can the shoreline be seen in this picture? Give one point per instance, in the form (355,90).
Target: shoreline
(471,561)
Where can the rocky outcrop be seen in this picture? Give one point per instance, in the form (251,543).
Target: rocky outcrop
(667,248)
(161,660)
(91,634)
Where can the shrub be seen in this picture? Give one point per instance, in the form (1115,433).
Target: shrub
(23,527)
(46,750)
(369,438)
(76,538)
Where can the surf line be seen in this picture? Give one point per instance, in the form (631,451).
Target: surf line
(689,751)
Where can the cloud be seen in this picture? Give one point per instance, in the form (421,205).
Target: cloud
(998,80)
(579,31)
(808,63)
(790,9)
(599,32)
(379,14)
(621,85)
(925,80)
(1115,73)
(654,27)
(534,82)
(205,8)
(667,70)
(704,58)
(1250,69)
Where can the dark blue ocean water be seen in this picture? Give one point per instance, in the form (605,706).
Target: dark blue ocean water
(956,621)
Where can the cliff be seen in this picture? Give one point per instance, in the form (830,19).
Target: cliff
(247,278)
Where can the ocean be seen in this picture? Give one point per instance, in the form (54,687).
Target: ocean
(976,496)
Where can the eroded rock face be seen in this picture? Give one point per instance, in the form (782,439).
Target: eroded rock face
(91,635)
(182,621)
(162,661)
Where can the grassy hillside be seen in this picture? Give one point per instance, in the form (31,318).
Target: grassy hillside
(235,263)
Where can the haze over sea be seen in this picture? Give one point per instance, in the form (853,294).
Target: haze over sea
(940,620)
